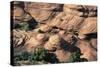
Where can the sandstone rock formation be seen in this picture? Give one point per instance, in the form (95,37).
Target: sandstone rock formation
(43,12)
(88,51)
(59,28)
(53,43)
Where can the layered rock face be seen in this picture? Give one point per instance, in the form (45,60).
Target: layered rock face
(59,28)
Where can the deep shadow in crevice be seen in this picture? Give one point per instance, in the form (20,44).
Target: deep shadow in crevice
(69,47)
(90,36)
(32,24)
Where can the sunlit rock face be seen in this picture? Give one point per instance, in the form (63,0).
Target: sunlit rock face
(43,12)
(61,29)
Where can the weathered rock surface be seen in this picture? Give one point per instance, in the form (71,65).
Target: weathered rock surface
(53,43)
(87,50)
(63,56)
(89,26)
(61,29)
(81,10)
(43,12)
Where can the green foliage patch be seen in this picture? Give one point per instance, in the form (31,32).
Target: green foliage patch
(39,55)
(76,57)
(22,26)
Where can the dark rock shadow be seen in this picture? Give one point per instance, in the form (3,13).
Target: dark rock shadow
(90,36)
(69,47)
(73,49)
(32,23)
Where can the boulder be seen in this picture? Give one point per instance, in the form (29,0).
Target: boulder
(45,28)
(53,42)
(63,56)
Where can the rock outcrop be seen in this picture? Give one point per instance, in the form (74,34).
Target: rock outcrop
(59,28)
(43,12)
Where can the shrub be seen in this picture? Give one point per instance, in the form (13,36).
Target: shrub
(22,26)
(39,55)
(17,58)
(51,57)
(23,56)
(75,57)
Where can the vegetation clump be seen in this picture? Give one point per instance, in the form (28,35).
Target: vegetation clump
(76,57)
(40,55)
(22,26)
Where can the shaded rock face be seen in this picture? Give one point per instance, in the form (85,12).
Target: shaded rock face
(59,28)
(19,15)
